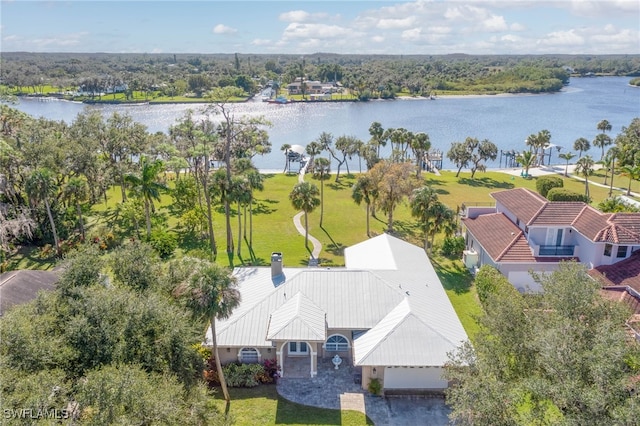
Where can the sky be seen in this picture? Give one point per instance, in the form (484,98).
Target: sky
(306,27)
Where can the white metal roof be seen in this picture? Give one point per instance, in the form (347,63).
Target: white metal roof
(389,288)
(298,319)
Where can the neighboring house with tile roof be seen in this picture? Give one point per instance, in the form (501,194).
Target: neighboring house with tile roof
(385,314)
(621,282)
(525,232)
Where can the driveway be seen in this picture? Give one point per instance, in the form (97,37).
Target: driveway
(336,389)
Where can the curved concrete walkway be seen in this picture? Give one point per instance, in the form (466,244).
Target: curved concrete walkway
(317,245)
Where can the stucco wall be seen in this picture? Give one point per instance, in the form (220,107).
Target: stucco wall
(228,355)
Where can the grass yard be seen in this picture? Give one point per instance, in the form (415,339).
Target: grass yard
(344,224)
(263,406)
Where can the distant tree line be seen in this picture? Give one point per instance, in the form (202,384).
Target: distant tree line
(367,76)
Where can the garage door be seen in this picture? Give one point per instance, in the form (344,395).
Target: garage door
(414,378)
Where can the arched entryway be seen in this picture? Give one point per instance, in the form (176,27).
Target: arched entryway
(297,358)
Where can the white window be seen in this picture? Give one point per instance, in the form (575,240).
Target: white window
(298,348)
(336,343)
(249,356)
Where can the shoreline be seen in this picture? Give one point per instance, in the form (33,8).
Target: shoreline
(47,98)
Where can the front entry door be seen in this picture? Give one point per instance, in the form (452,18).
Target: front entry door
(298,348)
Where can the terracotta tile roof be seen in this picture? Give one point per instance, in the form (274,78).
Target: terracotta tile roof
(534,210)
(522,202)
(558,213)
(623,273)
(503,240)
(619,228)
(519,251)
(627,226)
(495,233)
(622,295)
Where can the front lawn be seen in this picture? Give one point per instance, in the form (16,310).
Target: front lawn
(263,406)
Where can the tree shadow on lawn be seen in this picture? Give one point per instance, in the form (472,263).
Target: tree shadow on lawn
(334,248)
(260,207)
(32,257)
(404,230)
(453,275)
(485,182)
(340,185)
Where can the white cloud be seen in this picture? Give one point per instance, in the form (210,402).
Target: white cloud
(63,40)
(562,39)
(510,38)
(261,42)
(599,8)
(395,23)
(12,37)
(300,32)
(517,27)
(223,29)
(494,23)
(295,16)
(378,39)
(156,50)
(302,16)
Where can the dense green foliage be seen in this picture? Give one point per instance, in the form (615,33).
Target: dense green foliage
(169,77)
(102,351)
(563,194)
(489,281)
(561,358)
(546,183)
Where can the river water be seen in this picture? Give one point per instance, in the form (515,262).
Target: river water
(506,120)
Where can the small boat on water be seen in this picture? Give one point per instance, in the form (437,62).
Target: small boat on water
(279,100)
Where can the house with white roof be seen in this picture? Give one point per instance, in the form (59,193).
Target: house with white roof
(525,232)
(386,315)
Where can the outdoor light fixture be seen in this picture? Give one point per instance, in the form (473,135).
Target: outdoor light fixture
(374,370)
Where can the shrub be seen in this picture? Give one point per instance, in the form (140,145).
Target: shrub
(545,183)
(375,386)
(242,375)
(271,371)
(489,281)
(561,194)
(453,246)
(164,243)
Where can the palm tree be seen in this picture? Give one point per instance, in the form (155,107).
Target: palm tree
(312,149)
(420,145)
(526,159)
(601,140)
(377,139)
(241,194)
(581,145)
(542,142)
(632,172)
(421,201)
(76,191)
(40,186)
(321,170)
(285,148)
(612,153)
(443,218)
(604,126)
(364,190)
(305,197)
(584,167)
(147,186)
(567,157)
(210,292)
(256,182)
